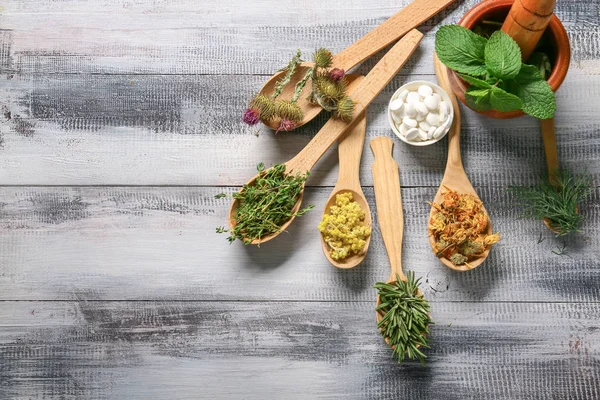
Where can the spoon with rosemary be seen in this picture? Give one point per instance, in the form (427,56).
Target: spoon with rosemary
(302,163)
(389,31)
(350,148)
(455,178)
(402,312)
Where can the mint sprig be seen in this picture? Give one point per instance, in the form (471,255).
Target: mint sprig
(498,79)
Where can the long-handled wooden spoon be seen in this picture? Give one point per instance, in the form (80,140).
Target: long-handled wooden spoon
(388,198)
(455,176)
(389,31)
(365,92)
(350,148)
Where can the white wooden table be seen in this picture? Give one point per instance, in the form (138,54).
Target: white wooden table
(120,121)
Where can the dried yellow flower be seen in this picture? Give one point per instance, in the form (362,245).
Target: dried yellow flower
(344,228)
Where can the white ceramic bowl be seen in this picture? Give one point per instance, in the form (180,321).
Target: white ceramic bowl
(413,86)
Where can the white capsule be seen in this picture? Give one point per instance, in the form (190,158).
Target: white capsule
(443,115)
(420,117)
(412,134)
(424,125)
(410,110)
(433,119)
(395,105)
(439,131)
(409,122)
(403,94)
(444,105)
(421,108)
(425,90)
(402,130)
(413,97)
(430,132)
(422,134)
(431,103)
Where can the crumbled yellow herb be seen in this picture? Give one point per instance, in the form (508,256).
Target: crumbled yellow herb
(458,226)
(344,228)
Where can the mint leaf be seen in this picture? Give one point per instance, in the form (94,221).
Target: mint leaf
(502,56)
(535,93)
(503,101)
(460,49)
(478,83)
(478,99)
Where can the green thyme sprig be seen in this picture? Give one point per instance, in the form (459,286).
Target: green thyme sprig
(406,319)
(556,200)
(267,204)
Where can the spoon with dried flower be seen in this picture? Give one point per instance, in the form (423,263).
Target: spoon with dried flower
(346,223)
(402,312)
(460,231)
(327,90)
(362,96)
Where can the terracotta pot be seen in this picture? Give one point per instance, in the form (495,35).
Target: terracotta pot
(497,10)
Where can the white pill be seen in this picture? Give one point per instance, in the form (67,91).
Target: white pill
(413,97)
(402,130)
(444,105)
(410,110)
(421,108)
(420,117)
(431,103)
(443,115)
(422,134)
(430,132)
(437,97)
(433,119)
(412,134)
(397,118)
(439,131)
(409,122)
(425,90)
(424,125)
(403,94)
(395,105)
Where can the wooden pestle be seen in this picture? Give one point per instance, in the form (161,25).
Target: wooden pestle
(526,22)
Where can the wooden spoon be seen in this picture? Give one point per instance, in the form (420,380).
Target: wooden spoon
(350,148)
(388,198)
(389,31)
(455,177)
(365,92)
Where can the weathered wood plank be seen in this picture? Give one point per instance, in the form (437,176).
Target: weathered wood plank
(233,350)
(214,37)
(180,130)
(160,243)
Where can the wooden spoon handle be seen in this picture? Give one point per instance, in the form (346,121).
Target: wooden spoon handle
(526,22)
(381,74)
(386,182)
(454,158)
(350,147)
(549,138)
(390,30)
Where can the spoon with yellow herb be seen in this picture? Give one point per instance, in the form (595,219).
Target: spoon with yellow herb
(402,312)
(310,87)
(346,223)
(460,231)
(287,202)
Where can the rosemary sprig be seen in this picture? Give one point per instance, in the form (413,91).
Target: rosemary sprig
(556,200)
(406,319)
(267,204)
(290,69)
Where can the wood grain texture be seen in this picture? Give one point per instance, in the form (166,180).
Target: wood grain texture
(184,350)
(160,244)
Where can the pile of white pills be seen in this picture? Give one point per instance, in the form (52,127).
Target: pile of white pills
(421,115)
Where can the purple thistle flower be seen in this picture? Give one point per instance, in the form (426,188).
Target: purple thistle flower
(251,116)
(285,125)
(337,74)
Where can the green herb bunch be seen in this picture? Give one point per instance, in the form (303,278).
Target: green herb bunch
(556,199)
(328,89)
(406,319)
(267,204)
(498,79)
